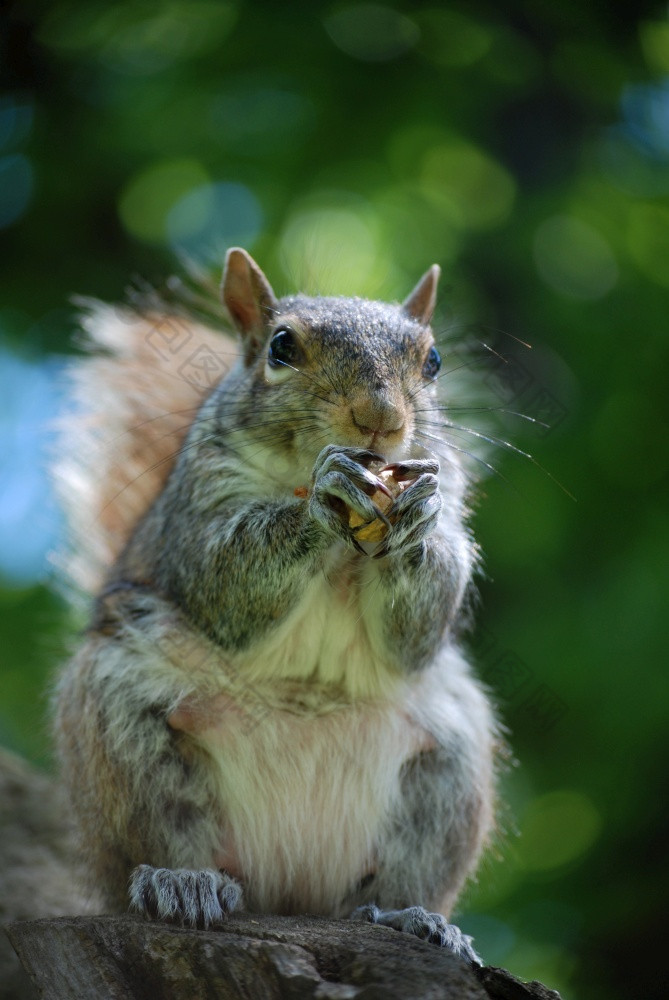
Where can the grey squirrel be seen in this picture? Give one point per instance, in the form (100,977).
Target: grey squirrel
(266,711)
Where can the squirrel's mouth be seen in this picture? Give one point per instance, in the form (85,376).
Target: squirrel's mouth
(371,440)
(380,439)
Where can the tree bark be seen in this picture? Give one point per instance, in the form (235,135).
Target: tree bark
(39,869)
(263,958)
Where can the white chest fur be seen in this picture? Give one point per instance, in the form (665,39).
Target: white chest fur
(306,798)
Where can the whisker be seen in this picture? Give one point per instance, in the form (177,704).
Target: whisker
(336,384)
(311,378)
(152,468)
(492,350)
(505,333)
(181,430)
(468,454)
(447,408)
(299,371)
(377,583)
(444,374)
(150,420)
(501,443)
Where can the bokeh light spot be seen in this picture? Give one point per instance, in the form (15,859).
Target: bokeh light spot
(148,197)
(332,248)
(648,241)
(629,167)
(30,524)
(16,187)
(371,32)
(214,216)
(645,111)
(654,38)
(472,189)
(140,38)
(557,829)
(450,38)
(259,115)
(574,259)
(16,118)
(409,223)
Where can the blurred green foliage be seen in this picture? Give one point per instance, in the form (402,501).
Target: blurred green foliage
(348,146)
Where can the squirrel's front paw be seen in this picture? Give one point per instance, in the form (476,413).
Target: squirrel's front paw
(342,483)
(428,926)
(180,896)
(415,511)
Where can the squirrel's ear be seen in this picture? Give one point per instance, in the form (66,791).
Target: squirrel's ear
(248,296)
(420,304)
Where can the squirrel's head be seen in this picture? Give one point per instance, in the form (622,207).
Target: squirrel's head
(331,370)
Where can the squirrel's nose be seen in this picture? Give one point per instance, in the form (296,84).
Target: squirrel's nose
(379,416)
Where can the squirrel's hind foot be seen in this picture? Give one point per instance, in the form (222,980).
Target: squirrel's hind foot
(191,898)
(431,927)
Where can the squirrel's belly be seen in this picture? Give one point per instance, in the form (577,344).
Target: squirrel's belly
(305,799)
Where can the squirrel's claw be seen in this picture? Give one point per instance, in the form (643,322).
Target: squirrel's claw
(413,468)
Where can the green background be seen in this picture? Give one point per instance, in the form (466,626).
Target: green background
(526,149)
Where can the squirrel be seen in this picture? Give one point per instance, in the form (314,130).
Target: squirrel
(265,711)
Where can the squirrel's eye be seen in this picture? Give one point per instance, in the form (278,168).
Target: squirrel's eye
(283,348)
(432,363)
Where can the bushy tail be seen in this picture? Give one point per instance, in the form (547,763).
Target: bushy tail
(134,397)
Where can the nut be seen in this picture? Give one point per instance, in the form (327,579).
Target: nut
(376,530)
